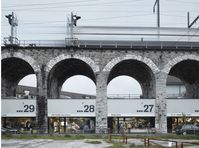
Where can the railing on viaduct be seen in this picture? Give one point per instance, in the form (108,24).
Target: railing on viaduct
(119,37)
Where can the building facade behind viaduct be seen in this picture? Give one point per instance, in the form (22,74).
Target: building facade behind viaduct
(53,66)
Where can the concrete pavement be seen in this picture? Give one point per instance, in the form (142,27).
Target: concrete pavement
(47,143)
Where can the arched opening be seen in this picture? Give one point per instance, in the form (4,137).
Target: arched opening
(184,82)
(29,80)
(80,86)
(130,112)
(13,71)
(175,88)
(69,84)
(65,70)
(17,109)
(124,87)
(26,88)
(188,72)
(137,70)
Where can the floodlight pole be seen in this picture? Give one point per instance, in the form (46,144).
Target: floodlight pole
(72,22)
(13,23)
(71,25)
(12,28)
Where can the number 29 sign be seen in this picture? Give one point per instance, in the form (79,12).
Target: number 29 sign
(18,108)
(27,108)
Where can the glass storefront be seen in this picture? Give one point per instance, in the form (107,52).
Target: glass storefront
(173,122)
(130,124)
(65,125)
(19,123)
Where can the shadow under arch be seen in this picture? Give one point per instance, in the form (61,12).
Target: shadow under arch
(13,70)
(144,60)
(62,57)
(28,59)
(137,70)
(171,63)
(187,71)
(64,70)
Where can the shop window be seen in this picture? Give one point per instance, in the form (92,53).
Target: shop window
(130,124)
(23,124)
(173,122)
(63,125)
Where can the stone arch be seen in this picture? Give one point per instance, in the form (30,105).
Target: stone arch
(15,67)
(178,59)
(189,77)
(61,57)
(144,60)
(148,70)
(24,57)
(58,70)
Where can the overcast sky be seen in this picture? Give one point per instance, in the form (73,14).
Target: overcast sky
(46,19)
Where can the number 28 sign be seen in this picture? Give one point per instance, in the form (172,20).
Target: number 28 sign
(87,108)
(71,107)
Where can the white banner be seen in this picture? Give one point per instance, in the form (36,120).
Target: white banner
(71,107)
(86,107)
(182,107)
(131,107)
(18,108)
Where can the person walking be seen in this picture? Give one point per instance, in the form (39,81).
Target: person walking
(129,126)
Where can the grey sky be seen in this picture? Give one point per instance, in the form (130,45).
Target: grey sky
(46,19)
(82,84)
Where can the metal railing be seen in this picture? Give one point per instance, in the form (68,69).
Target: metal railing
(20,98)
(42,43)
(148,141)
(102,44)
(8,41)
(124,96)
(120,37)
(133,44)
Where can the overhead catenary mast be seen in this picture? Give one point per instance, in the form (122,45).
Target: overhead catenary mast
(189,25)
(157,2)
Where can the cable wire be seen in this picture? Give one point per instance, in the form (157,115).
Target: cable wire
(181,1)
(96,4)
(44,4)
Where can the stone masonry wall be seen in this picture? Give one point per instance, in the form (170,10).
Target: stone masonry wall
(101,62)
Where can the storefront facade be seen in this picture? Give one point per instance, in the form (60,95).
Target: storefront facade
(53,66)
(19,114)
(66,116)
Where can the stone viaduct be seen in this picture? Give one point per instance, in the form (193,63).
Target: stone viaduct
(52,66)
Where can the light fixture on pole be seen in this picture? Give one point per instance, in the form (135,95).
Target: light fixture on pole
(12,20)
